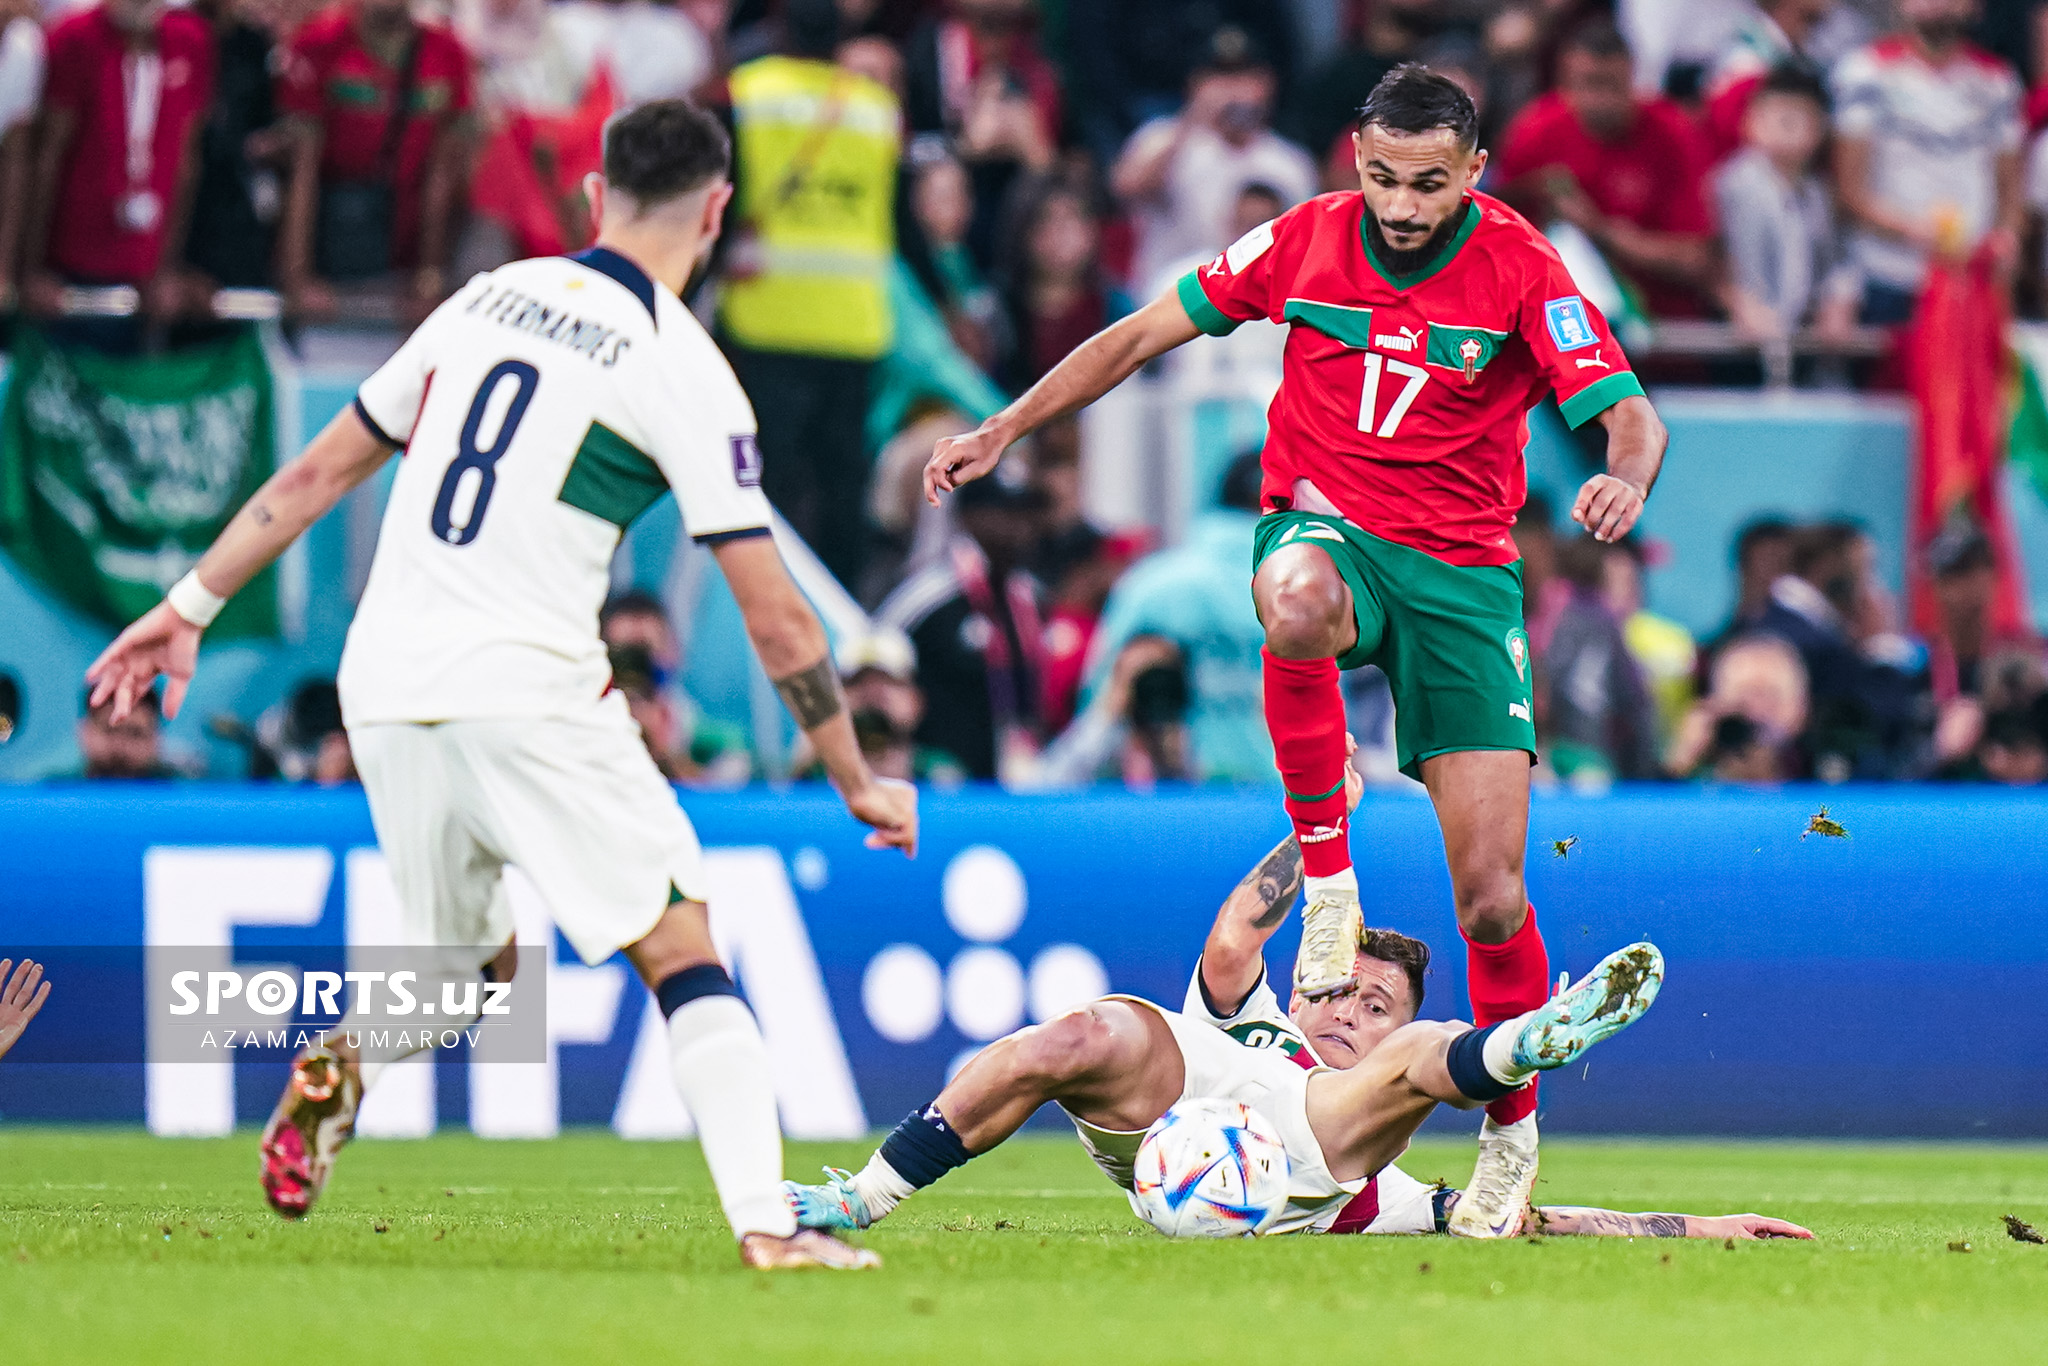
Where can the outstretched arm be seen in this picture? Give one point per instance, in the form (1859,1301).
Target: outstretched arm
(1580,1221)
(1234,955)
(1091,370)
(165,639)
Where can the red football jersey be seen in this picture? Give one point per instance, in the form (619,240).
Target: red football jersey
(1406,404)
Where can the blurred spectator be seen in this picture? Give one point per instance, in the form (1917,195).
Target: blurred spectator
(973,614)
(1544,591)
(647,662)
(1763,555)
(653,51)
(241,146)
(977,75)
(308,737)
(1747,728)
(879,672)
(526,59)
(1973,671)
(131,749)
(1193,595)
(1051,271)
(1136,729)
(380,105)
(1078,566)
(1601,720)
(10,706)
(1662,649)
(1866,687)
(1773,35)
(943,201)
(128,85)
(1130,61)
(21,90)
(908,532)
(804,312)
(1624,170)
(1785,261)
(2014,750)
(1182,174)
(1927,155)
(20,999)
(1322,107)
(1676,42)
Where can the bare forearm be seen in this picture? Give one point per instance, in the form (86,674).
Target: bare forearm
(437,197)
(1235,953)
(300,494)
(295,234)
(51,149)
(1680,257)
(1580,1221)
(1636,440)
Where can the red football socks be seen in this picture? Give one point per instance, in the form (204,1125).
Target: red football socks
(1305,716)
(1506,980)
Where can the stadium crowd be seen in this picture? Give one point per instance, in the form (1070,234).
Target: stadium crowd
(1018,172)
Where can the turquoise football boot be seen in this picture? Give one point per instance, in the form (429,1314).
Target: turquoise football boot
(1607,1000)
(834,1205)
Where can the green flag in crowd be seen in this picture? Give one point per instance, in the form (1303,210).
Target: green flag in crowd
(116,472)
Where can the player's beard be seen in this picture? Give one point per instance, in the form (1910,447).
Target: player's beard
(1414,258)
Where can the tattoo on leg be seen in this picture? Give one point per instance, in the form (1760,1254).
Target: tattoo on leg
(812,695)
(1275,881)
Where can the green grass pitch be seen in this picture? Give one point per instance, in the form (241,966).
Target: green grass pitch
(118,1247)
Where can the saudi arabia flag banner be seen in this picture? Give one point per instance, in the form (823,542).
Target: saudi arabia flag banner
(116,472)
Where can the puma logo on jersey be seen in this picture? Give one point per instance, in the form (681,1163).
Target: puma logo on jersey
(1409,340)
(1592,361)
(1519,710)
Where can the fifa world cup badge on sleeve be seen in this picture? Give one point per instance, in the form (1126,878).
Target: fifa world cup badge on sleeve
(1570,328)
(746,460)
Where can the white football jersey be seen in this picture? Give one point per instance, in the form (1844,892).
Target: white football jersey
(542,409)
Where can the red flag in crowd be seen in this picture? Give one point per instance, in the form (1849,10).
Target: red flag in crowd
(532,165)
(1956,364)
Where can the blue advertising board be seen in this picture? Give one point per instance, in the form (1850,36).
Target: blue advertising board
(1887,983)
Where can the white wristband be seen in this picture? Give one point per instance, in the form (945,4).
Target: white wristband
(194,601)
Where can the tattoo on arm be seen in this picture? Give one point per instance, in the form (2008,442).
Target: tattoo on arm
(261,514)
(813,695)
(1607,1223)
(1275,881)
(1664,1225)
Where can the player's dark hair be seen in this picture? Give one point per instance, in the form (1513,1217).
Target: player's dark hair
(1797,79)
(664,149)
(810,28)
(1413,99)
(1597,38)
(1409,955)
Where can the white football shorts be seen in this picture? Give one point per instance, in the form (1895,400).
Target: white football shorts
(1218,1067)
(575,803)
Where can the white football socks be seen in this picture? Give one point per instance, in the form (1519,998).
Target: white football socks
(723,1075)
(1346,881)
(1499,1053)
(880,1187)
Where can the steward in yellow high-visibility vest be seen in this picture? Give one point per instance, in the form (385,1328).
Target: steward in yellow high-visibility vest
(816,148)
(803,313)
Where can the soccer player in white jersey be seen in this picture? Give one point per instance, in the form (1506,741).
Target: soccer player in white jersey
(541,410)
(1346,1079)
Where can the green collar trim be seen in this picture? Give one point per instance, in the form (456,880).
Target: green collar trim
(1443,257)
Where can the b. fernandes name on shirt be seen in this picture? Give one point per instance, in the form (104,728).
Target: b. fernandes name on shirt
(592,341)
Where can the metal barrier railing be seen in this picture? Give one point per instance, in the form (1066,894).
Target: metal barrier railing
(1686,339)
(352,308)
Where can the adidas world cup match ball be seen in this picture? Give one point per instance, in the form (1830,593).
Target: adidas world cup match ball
(1210,1169)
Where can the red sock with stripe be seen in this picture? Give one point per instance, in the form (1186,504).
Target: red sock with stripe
(1305,716)
(1506,980)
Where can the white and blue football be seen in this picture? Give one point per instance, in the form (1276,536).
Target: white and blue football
(1210,1169)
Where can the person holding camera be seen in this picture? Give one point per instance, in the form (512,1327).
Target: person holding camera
(1182,174)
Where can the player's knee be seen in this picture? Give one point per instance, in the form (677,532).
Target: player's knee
(1068,1047)
(1303,602)
(1490,909)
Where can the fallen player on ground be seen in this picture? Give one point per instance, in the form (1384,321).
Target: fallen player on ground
(1347,1080)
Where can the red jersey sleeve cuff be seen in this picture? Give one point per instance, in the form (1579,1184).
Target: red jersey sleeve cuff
(1200,311)
(1597,397)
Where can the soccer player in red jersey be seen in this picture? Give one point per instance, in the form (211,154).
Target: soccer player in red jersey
(1426,320)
